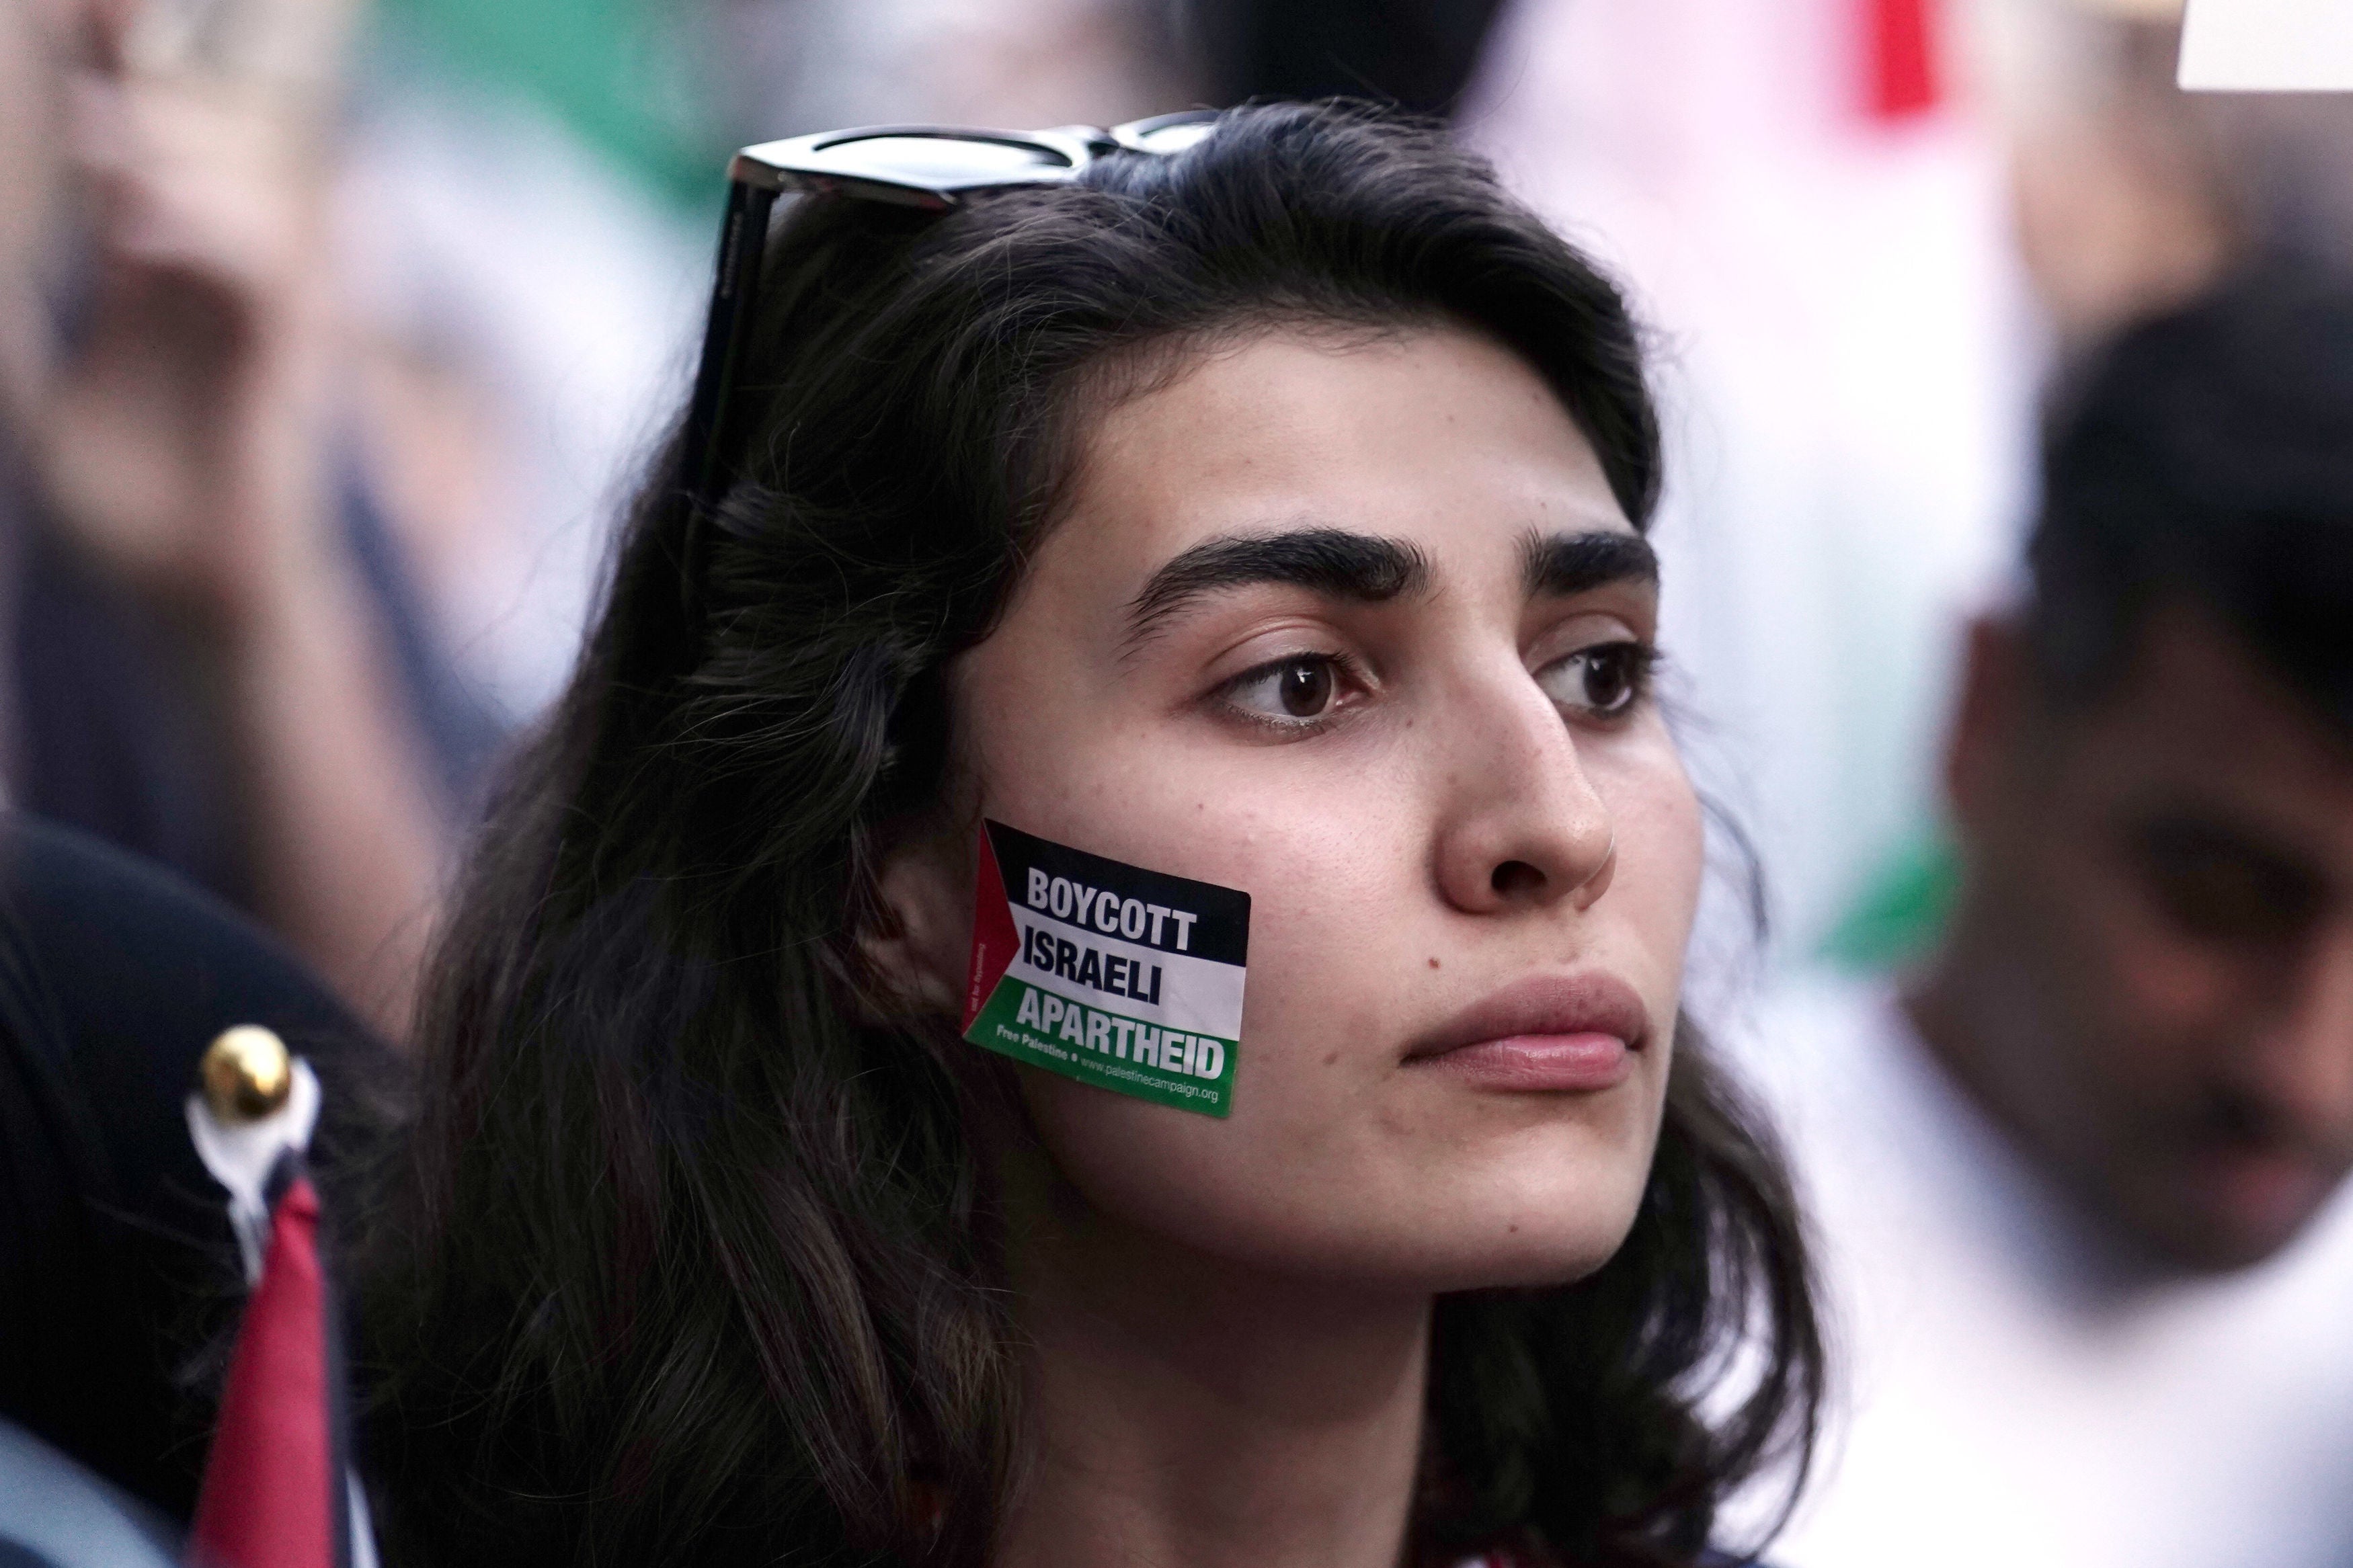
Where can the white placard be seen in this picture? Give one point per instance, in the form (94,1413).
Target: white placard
(2267,46)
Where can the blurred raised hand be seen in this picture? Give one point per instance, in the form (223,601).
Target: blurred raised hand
(187,435)
(186,440)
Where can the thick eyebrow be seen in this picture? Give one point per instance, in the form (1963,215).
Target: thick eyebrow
(1327,561)
(1563,565)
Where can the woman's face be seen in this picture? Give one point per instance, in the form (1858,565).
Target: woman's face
(1357,628)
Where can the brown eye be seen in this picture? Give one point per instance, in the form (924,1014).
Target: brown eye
(1305,690)
(1604,681)
(1292,692)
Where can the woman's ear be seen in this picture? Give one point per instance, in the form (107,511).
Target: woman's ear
(917,949)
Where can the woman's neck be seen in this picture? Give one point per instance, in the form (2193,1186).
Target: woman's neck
(1184,1409)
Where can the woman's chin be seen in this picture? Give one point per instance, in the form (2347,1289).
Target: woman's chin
(1546,1234)
(1520,1224)
(1479,1259)
(1521,1254)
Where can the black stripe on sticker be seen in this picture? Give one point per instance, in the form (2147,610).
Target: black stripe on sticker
(1152,909)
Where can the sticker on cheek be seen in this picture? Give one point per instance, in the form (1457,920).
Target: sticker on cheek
(1127,978)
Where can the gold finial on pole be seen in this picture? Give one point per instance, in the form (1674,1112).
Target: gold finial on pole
(247,1074)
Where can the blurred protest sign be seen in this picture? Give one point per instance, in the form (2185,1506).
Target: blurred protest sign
(2267,46)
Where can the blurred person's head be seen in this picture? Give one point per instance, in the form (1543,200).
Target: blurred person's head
(1270,514)
(2152,777)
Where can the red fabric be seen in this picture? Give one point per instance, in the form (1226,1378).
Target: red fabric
(1902,43)
(269,1486)
(994,936)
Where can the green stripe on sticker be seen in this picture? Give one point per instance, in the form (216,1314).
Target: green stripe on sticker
(1109,1050)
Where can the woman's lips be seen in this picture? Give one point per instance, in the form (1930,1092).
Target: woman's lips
(1527,1063)
(1556,1033)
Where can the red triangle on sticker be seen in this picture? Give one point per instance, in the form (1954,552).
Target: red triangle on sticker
(993,936)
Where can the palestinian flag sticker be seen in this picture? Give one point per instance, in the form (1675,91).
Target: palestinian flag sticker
(1127,978)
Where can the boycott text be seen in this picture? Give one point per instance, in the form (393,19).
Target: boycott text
(1110,913)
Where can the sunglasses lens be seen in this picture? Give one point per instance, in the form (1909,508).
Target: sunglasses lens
(941,160)
(1171,138)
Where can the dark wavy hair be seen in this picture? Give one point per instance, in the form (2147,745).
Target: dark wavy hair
(2205,456)
(689,1261)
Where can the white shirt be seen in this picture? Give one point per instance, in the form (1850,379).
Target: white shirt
(2009,1392)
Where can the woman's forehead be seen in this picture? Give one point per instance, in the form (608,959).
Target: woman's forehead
(1436,435)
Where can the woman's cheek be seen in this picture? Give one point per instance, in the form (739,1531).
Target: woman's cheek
(1274,1182)
(1661,849)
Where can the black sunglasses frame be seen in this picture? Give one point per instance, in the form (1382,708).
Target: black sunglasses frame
(830,163)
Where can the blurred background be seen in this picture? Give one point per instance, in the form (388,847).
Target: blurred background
(334,332)
(1864,232)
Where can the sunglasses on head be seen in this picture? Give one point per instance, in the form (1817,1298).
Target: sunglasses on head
(934,167)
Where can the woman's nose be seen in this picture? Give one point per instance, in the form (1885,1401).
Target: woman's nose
(1519,822)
